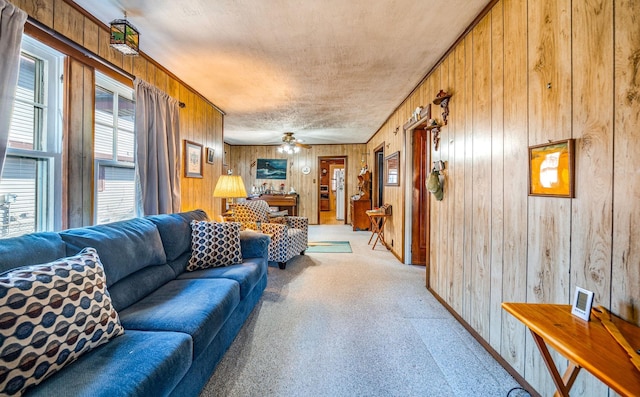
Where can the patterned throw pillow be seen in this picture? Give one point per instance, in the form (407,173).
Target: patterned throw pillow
(214,244)
(50,315)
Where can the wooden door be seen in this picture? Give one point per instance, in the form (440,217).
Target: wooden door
(420,198)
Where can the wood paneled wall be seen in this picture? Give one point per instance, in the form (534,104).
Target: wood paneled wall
(529,72)
(78,173)
(200,120)
(242,160)
(391,137)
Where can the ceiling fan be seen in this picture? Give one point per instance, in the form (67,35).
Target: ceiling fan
(291,145)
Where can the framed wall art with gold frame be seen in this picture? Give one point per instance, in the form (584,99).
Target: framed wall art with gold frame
(551,169)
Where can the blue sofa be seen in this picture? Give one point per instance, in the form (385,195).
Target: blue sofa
(178,324)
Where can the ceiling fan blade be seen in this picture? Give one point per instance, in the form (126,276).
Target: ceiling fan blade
(304,145)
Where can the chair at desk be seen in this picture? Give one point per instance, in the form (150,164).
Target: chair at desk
(378,218)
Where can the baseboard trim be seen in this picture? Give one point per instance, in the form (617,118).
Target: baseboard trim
(487,346)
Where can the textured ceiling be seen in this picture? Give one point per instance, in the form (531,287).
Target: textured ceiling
(330,71)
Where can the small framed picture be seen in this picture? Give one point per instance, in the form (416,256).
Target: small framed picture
(582,303)
(210,155)
(192,159)
(551,170)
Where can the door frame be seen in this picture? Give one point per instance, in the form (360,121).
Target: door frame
(408,196)
(378,177)
(332,168)
(345,159)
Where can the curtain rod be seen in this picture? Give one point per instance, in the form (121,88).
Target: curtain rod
(80,50)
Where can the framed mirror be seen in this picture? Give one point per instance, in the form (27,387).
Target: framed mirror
(392,169)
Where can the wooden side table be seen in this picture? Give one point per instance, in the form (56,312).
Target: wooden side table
(378,220)
(585,344)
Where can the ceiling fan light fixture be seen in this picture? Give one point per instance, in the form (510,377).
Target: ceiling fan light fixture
(124,37)
(290,144)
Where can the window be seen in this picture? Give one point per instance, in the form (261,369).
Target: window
(114,151)
(30,188)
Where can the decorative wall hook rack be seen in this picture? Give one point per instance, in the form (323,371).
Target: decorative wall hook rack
(442,99)
(438,165)
(434,127)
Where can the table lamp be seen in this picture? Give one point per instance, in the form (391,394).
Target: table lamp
(230,187)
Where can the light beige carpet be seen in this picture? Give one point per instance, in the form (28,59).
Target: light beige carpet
(358,324)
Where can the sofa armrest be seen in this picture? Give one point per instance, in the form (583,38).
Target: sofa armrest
(301,223)
(248,225)
(254,244)
(277,230)
(279,236)
(298,222)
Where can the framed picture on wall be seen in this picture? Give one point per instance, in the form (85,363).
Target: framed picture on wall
(192,154)
(551,170)
(210,155)
(271,169)
(392,169)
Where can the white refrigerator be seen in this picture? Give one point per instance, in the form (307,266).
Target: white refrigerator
(339,178)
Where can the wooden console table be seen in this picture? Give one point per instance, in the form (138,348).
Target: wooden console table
(287,202)
(586,345)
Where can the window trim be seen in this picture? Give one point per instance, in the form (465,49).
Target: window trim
(48,189)
(118,89)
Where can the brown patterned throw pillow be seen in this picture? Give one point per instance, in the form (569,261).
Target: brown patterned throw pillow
(50,315)
(214,244)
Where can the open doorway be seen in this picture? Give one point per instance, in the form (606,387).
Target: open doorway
(378,176)
(332,200)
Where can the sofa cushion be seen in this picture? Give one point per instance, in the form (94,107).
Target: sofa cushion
(214,244)
(51,314)
(31,249)
(179,265)
(138,363)
(136,286)
(247,274)
(252,245)
(124,247)
(175,231)
(196,307)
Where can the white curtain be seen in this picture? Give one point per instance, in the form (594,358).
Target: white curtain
(12,21)
(158,143)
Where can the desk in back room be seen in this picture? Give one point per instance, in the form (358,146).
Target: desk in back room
(287,202)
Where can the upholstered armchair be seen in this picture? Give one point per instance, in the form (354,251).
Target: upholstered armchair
(288,238)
